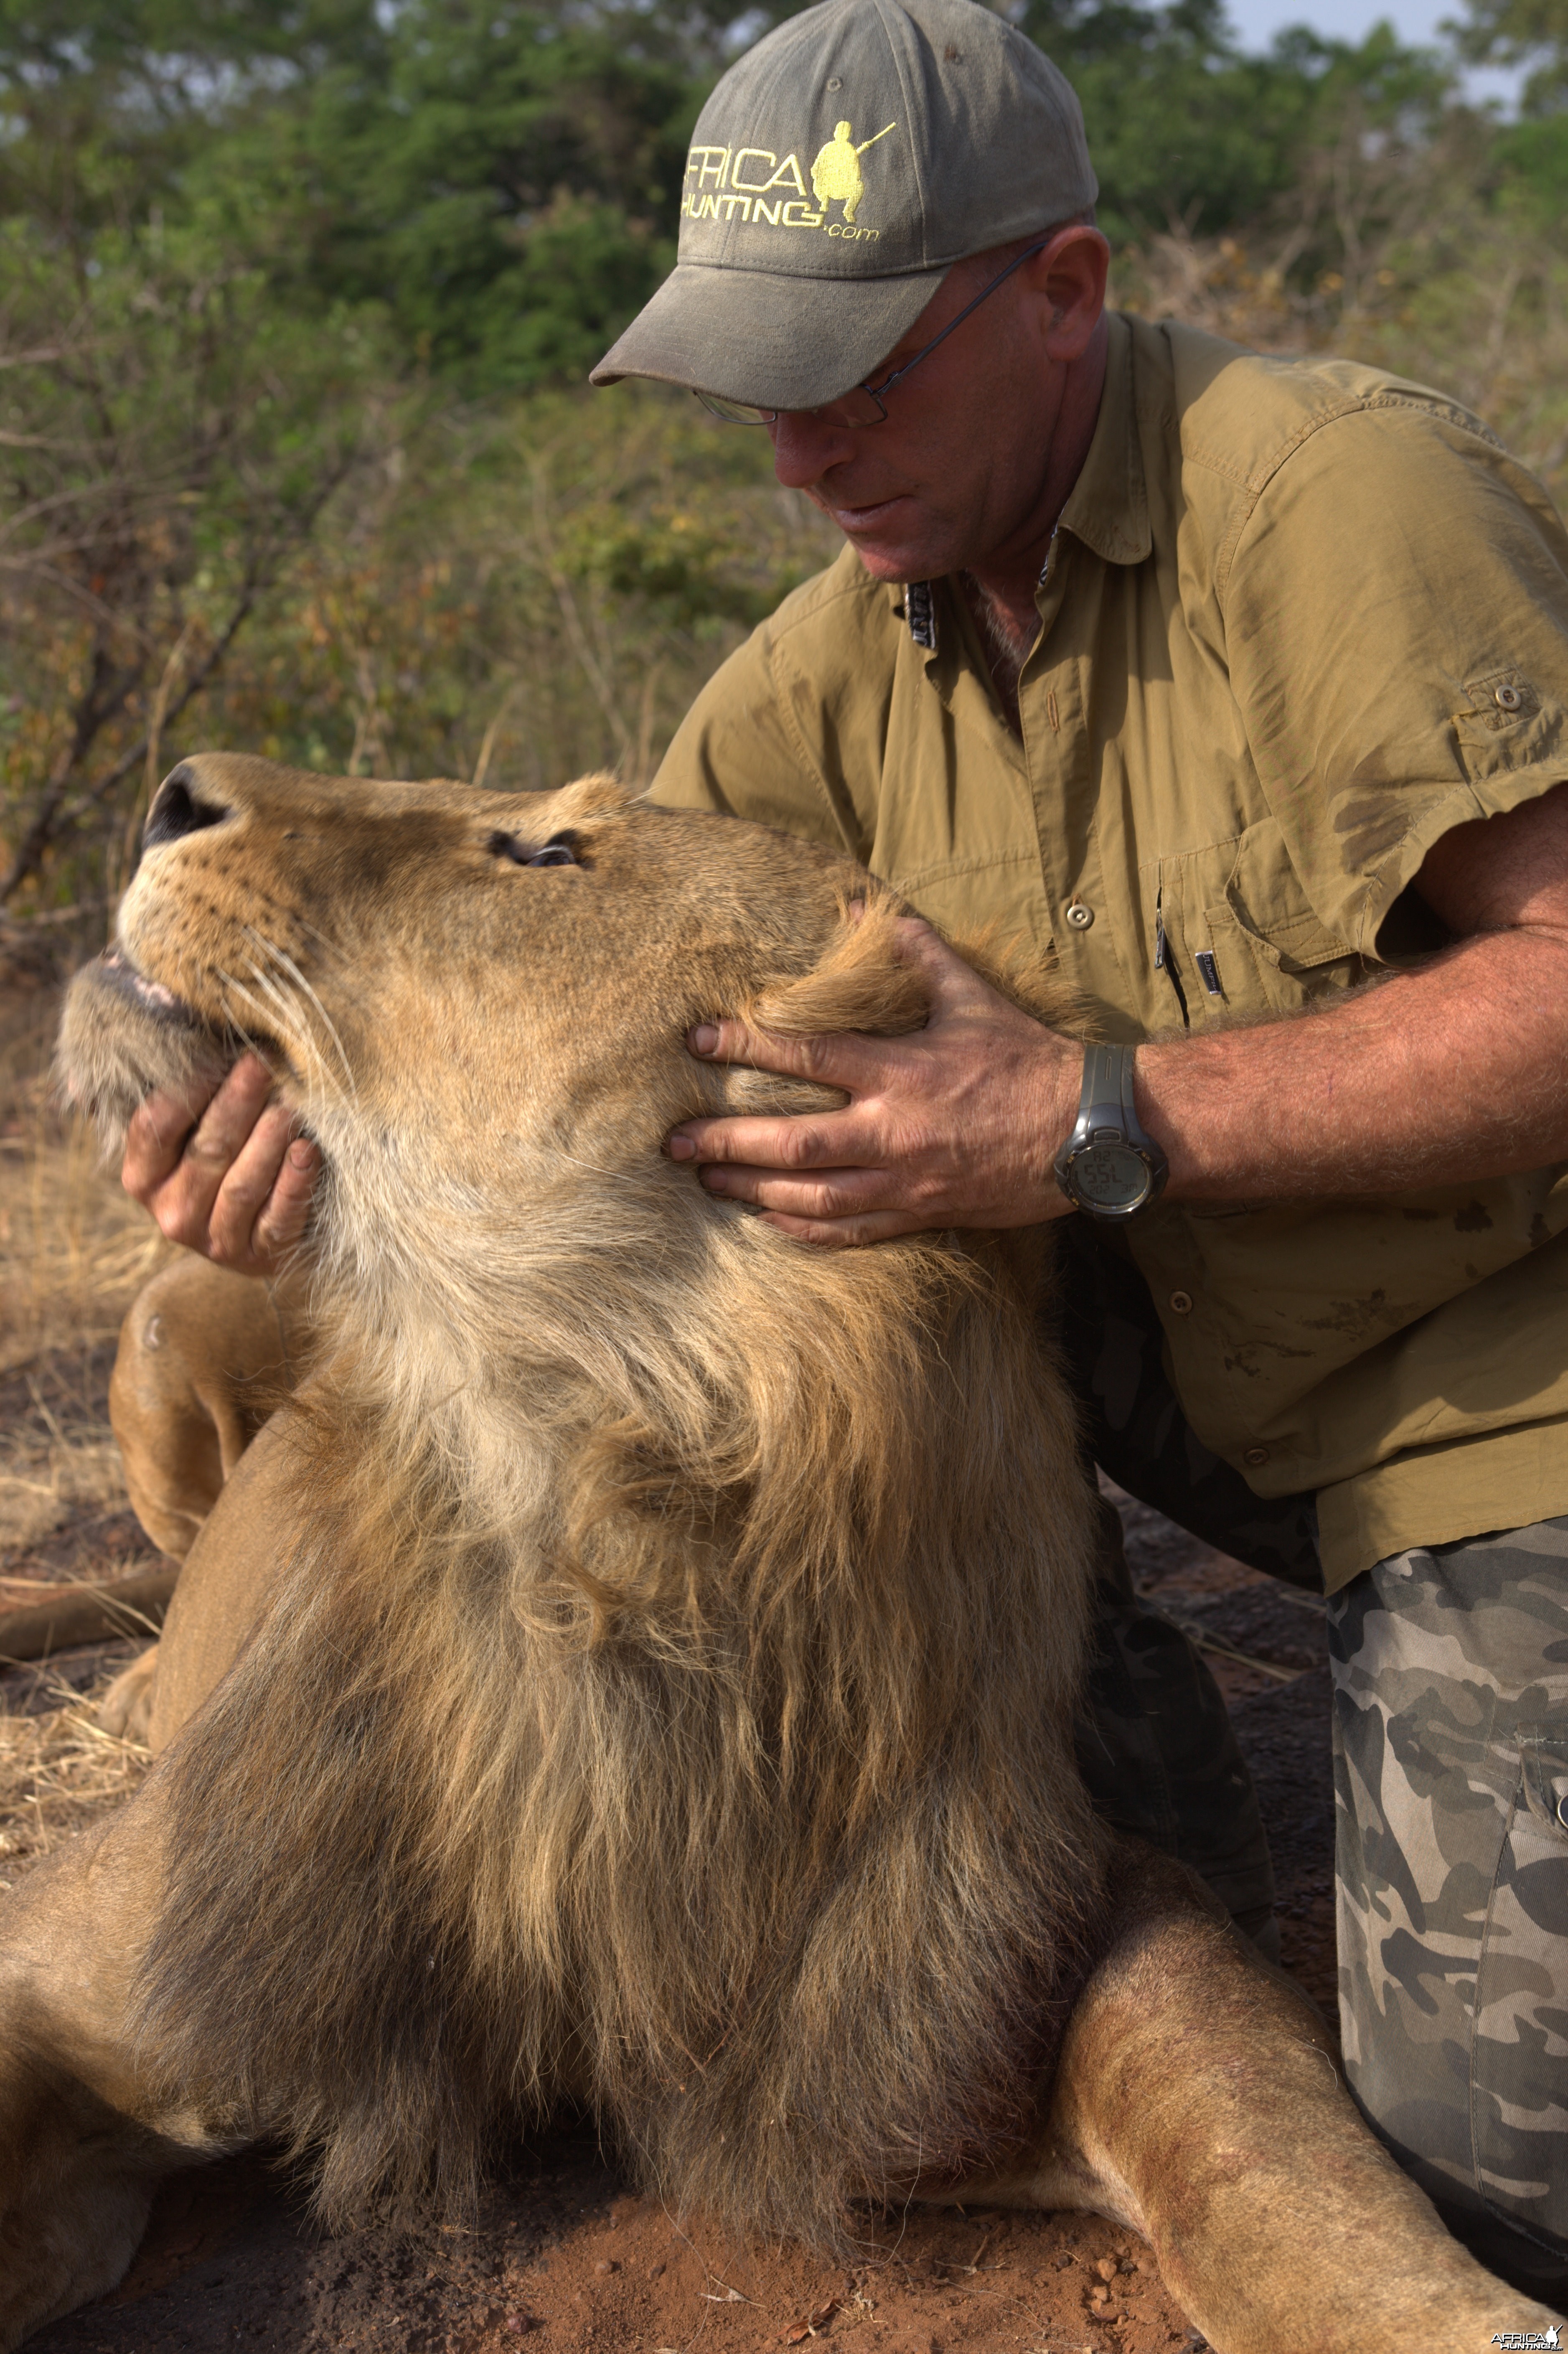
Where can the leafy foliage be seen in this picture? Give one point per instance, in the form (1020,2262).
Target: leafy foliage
(292,293)
(504,180)
(1183,128)
(166,445)
(1521,32)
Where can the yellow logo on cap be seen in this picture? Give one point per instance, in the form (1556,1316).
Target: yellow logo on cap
(751,183)
(836,175)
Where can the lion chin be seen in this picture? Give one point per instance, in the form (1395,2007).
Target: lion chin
(663,1694)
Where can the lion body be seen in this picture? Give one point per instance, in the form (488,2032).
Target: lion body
(640,1663)
(715,1607)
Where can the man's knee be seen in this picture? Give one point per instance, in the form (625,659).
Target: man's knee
(204,1357)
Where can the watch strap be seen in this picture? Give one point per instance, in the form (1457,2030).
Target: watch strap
(1107,1097)
(1107,1115)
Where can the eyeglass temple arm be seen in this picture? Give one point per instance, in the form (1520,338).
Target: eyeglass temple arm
(1016,263)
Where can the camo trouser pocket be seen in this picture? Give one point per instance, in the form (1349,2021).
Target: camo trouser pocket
(1451,1767)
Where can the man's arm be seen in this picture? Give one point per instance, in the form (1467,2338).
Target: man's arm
(1457,1070)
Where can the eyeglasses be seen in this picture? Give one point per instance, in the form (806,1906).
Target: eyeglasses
(863,405)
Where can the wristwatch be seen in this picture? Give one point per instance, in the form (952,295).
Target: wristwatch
(1110,1167)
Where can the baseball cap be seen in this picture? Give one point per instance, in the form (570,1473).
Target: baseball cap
(838,171)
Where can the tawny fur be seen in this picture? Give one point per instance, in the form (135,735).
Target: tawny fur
(669,1703)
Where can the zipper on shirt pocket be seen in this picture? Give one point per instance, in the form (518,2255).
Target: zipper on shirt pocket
(1163,960)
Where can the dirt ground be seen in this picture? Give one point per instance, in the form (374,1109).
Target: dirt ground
(561,2250)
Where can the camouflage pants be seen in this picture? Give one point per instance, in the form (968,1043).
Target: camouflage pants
(1450,1670)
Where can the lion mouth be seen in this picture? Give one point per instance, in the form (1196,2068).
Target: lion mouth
(116,969)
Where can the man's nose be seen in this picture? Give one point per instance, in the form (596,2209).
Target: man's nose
(805,448)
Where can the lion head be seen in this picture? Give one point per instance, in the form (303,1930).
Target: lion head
(672,1697)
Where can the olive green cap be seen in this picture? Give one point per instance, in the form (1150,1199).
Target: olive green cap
(838,170)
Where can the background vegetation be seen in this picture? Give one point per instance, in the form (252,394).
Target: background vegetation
(296,299)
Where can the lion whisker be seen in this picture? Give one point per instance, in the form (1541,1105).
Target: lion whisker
(282,958)
(285,1030)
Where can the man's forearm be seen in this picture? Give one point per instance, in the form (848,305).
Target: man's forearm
(1458,1070)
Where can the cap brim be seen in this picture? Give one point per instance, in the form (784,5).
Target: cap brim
(780,341)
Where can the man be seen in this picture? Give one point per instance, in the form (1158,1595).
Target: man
(1236,685)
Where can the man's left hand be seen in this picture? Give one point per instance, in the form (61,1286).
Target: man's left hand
(956,1124)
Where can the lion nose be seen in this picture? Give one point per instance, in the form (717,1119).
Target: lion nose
(176,812)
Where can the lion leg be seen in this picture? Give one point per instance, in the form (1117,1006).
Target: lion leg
(86,1614)
(126,1708)
(204,1358)
(1198,2103)
(228,1577)
(85,2136)
(204,1355)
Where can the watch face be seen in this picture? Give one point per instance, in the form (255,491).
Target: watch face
(1110,1177)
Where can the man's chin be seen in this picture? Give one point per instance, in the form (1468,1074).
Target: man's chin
(893,537)
(887,557)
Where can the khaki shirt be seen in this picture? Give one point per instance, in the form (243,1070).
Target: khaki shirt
(1299,620)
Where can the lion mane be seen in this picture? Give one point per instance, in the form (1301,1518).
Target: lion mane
(668,1704)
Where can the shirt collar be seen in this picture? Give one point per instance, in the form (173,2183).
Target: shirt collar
(1108,507)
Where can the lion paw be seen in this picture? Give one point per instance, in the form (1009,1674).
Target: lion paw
(126,1708)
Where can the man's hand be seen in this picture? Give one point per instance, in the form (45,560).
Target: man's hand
(955,1126)
(226,1174)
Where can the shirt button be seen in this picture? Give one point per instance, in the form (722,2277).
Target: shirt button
(1255,1455)
(1080,917)
(1180,1303)
(1510,698)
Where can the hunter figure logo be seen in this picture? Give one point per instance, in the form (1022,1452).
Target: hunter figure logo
(836,173)
(756,185)
(1530,2341)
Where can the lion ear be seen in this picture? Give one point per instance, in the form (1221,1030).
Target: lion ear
(594,796)
(860,982)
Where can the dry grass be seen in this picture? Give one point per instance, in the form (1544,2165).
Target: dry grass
(74,1249)
(58,1773)
(1479,308)
(73,1252)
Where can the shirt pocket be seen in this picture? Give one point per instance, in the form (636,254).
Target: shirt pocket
(1241,938)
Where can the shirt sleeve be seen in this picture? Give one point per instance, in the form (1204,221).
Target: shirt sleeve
(789,731)
(735,752)
(1397,623)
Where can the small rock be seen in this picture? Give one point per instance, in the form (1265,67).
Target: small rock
(655,2272)
(1107,2268)
(516,2324)
(607,2264)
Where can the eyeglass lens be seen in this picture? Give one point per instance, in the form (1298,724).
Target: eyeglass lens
(856,407)
(862,404)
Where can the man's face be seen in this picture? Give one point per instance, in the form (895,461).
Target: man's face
(958,467)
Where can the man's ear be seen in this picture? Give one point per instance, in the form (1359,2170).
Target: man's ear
(859,983)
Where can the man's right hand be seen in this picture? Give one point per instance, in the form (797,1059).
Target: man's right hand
(225,1172)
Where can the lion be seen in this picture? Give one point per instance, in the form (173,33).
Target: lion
(639,1666)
